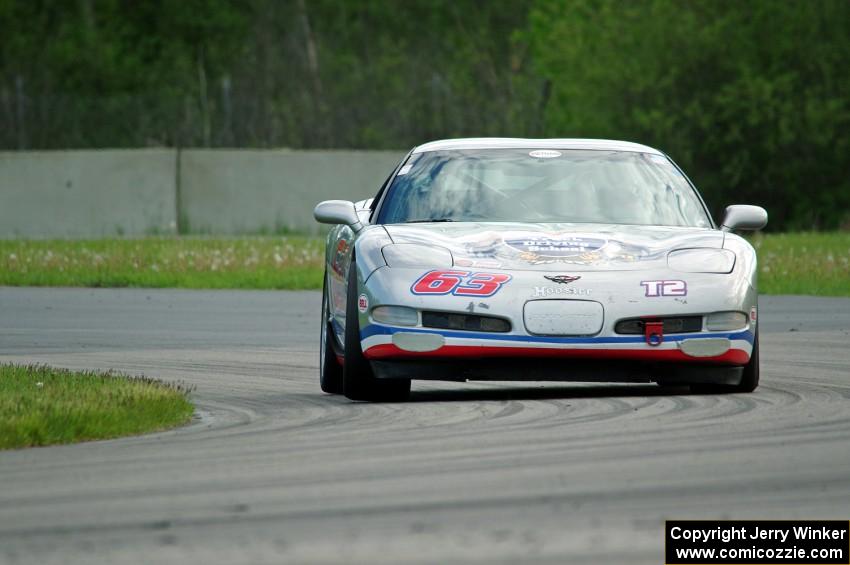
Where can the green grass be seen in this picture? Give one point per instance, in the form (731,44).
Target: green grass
(42,406)
(797,263)
(804,263)
(290,262)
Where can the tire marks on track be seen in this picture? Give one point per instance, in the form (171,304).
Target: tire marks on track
(464,472)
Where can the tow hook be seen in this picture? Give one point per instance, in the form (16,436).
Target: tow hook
(654,333)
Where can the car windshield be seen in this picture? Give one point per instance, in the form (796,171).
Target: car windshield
(522,185)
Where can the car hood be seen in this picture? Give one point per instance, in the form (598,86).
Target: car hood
(545,247)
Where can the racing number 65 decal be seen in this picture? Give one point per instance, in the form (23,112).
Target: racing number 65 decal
(459,283)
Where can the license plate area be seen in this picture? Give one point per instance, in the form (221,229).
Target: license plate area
(563,317)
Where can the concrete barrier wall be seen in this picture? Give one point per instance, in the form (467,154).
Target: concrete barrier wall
(230,192)
(155,191)
(87,193)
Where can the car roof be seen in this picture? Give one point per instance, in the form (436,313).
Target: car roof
(519,143)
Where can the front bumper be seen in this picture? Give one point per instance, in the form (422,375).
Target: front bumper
(521,369)
(621,294)
(382,342)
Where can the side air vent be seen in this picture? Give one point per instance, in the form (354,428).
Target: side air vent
(468,322)
(672,325)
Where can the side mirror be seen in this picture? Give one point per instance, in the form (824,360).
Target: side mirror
(337,212)
(744,217)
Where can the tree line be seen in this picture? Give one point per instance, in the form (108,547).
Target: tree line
(751,98)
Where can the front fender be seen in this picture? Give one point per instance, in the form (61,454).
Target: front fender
(746,263)
(367,251)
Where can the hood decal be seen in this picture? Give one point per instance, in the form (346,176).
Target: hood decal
(551,248)
(556,246)
(542,247)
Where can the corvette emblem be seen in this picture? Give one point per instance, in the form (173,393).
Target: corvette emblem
(562,279)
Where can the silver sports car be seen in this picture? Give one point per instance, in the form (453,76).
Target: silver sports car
(556,259)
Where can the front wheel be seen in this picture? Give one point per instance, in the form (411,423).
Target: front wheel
(749,379)
(358,380)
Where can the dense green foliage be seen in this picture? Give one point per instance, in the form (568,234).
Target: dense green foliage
(752,98)
(295,73)
(42,405)
(793,263)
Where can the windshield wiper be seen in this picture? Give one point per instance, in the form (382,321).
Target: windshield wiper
(428,220)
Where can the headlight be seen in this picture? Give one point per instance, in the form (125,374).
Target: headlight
(415,255)
(701,260)
(725,321)
(395,315)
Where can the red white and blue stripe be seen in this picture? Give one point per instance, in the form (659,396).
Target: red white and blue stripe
(377,343)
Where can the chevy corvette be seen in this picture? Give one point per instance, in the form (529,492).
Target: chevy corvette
(522,259)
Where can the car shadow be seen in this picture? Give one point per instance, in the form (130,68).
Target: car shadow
(545,393)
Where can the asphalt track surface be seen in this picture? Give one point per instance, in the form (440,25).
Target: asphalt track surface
(274,471)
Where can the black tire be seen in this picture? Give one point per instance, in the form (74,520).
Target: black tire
(330,372)
(358,380)
(749,380)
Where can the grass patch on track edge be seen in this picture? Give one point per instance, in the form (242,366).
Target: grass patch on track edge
(41,405)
